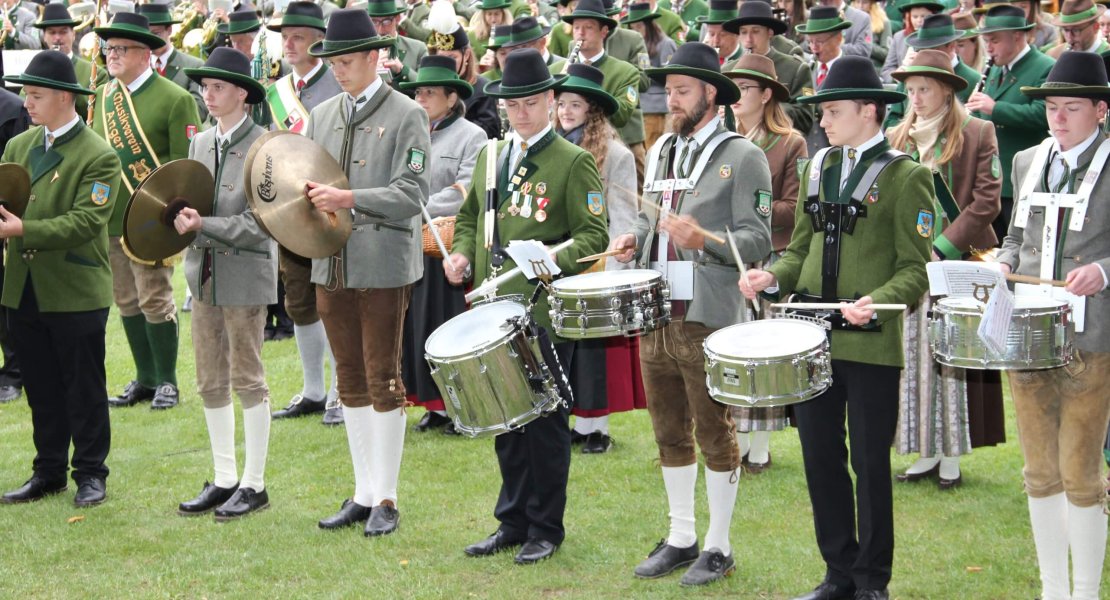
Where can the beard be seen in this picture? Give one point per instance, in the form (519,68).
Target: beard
(685,121)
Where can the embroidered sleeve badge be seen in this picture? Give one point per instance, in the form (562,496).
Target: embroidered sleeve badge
(996,167)
(763,203)
(101,192)
(924,223)
(416,160)
(595,203)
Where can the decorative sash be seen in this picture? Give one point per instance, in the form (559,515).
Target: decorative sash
(125,134)
(285,106)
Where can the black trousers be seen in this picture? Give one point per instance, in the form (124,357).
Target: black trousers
(9,372)
(535,465)
(868,396)
(63,373)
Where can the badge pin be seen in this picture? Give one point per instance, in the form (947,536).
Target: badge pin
(55,177)
(541,188)
(541,215)
(381,131)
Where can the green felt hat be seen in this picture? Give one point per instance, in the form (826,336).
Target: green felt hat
(349,30)
(525,74)
(720,12)
(586,80)
(157,13)
(1004,17)
(439,71)
(130,26)
(823,19)
(301,14)
(50,69)
(494,4)
(232,66)
(936,31)
(591,9)
(852,78)
(240,21)
(56,15)
(639,12)
(382,8)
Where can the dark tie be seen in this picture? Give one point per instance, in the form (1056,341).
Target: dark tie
(851,166)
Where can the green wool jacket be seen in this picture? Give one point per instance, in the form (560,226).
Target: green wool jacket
(671,24)
(556,171)
(691,10)
(64,247)
(884,257)
(896,112)
(622,80)
(169,118)
(1018,119)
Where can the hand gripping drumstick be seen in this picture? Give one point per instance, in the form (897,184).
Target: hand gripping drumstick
(659,209)
(740,264)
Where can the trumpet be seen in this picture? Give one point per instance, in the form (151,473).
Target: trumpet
(572,56)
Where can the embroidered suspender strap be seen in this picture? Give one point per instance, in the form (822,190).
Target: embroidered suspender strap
(813,195)
(1090,178)
(653,160)
(287,109)
(706,154)
(125,134)
(1040,163)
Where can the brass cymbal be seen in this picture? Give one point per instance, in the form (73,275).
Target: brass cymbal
(251,152)
(148,228)
(15,188)
(277,171)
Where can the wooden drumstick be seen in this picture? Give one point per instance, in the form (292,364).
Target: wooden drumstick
(740,264)
(1035,280)
(601,255)
(659,208)
(836,306)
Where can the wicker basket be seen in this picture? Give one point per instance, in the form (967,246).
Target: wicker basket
(446,228)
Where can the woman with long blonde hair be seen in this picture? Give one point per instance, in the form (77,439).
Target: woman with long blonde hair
(490,14)
(945,411)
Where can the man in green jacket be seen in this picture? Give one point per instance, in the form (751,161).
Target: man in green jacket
(1019,120)
(148,120)
(57,34)
(863,235)
(58,285)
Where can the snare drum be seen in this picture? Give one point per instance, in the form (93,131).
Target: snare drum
(773,362)
(1042,335)
(610,303)
(491,371)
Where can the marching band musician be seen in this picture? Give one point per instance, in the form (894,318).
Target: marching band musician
(380,137)
(560,196)
(291,101)
(1078,23)
(14,120)
(167,60)
(231,269)
(57,285)
(58,34)
(732,188)
(449,38)
(148,121)
(17,26)
(860,237)
(1062,413)
(402,58)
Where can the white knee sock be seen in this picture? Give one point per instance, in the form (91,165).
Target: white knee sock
(744,440)
(256,434)
(680,482)
(387,442)
(584,425)
(720,488)
(1087,539)
(357,421)
(950,467)
(1049,520)
(333,391)
(759,452)
(312,342)
(602,424)
(923,464)
(221,434)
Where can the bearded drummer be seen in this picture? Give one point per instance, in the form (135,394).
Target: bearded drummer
(231,268)
(549,190)
(723,181)
(380,137)
(1062,413)
(863,234)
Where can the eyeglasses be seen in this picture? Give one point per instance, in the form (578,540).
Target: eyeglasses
(744,88)
(120,50)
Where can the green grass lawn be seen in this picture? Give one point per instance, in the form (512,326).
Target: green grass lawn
(973,542)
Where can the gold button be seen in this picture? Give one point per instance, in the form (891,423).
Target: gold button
(1078,259)
(362,163)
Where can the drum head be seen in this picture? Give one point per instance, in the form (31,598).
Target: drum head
(477,328)
(607,279)
(765,339)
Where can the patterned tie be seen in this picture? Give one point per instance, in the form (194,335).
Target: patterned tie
(821,74)
(851,167)
(682,169)
(49,140)
(161,66)
(300,86)
(1061,186)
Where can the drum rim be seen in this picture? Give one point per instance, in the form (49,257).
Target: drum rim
(470,314)
(823,344)
(563,285)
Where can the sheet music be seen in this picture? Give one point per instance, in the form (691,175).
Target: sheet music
(994,327)
(533,258)
(1078,303)
(964,279)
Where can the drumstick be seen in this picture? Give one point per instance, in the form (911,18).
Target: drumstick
(659,208)
(601,255)
(1035,280)
(491,285)
(834,305)
(740,264)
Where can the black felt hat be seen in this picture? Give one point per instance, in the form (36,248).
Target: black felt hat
(349,30)
(157,13)
(756,13)
(232,66)
(525,74)
(301,14)
(130,26)
(699,61)
(823,19)
(1075,74)
(50,69)
(1004,17)
(240,21)
(525,30)
(592,9)
(56,15)
(852,78)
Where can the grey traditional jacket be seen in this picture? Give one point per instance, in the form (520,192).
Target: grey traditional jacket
(241,258)
(857,38)
(25,36)
(618,180)
(384,150)
(894,56)
(455,147)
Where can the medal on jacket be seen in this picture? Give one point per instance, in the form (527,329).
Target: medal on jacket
(526,207)
(514,210)
(541,214)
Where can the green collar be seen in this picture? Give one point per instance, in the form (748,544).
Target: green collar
(446,122)
(69,135)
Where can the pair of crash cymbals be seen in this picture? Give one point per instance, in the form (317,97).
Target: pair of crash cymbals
(15,188)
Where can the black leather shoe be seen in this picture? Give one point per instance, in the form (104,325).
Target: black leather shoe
(828,590)
(495,543)
(449,429)
(300,406)
(133,394)
(753,468)
(534,550)
(242,503)
(872,595)
(165,397)
(350,513)
(209,498)
(431,420)
(384,519)
(577,438)
(90,492)
(711,565)
(947,484)
(911,477)
(664,559)
(597,443)
(333,414)
(9,393)
(36,488)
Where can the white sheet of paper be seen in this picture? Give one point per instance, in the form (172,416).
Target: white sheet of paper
(995,325)
(680,278)
(964,279)
(533,258)
(1078,303)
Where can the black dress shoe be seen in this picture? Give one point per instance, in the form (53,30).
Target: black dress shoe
(597,443)
(36,488)
(242,503)
(90,492)
(9,393)
(534,550)
(495,543)
(165,397)
(209,498)
(948,484)
(133,394)
(449,429)
(431,420)
(872,595)
(664,559)
(350,513)
(911,477)
(711,566)
(757,468)
(828,590)
(384,519)
(333,413)
(577,438)
(300,406)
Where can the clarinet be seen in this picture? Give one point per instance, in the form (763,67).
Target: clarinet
(986,71)
(572,56)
